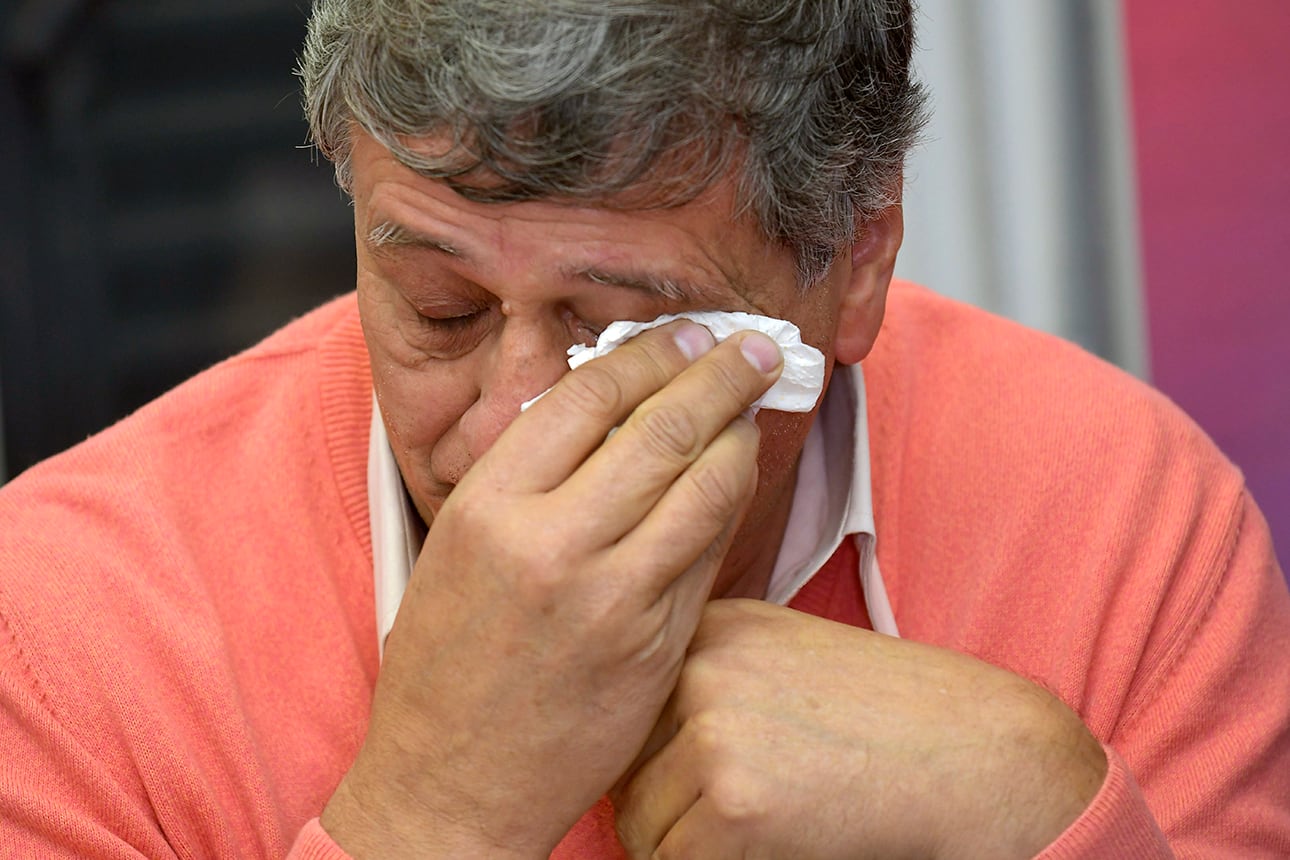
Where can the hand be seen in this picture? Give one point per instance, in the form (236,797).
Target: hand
(548,614)
(792,736)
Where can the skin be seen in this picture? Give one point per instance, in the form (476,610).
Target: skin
(571,627)
(511,265)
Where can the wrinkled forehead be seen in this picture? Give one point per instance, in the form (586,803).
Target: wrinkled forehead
(699,252)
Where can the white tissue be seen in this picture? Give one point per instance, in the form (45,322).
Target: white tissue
(798,387)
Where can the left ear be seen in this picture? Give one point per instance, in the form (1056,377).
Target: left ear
(864,294)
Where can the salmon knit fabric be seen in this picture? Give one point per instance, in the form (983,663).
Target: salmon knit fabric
(187,632)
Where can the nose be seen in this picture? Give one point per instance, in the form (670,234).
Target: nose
(527,357)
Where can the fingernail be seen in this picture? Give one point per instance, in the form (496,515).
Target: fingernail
(693,340)
(760,351)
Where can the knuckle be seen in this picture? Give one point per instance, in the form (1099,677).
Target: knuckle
(594,391)
(708,731)
(737,799)
(669,432)
(717,492)
(713,554)
(473,511)
(541,573)
(648,359)
(733,380)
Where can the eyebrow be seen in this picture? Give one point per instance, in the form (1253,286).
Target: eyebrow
(667,286)
(389,234)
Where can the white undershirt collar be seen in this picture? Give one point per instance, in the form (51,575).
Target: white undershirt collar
(833,499)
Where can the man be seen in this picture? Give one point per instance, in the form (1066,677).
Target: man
(262,615)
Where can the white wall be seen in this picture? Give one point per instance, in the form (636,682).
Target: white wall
(1021,200)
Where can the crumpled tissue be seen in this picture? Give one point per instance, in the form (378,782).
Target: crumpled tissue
(798,387)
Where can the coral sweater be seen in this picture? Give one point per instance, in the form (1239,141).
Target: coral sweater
(187,633)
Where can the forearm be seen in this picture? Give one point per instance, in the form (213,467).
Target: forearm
(1117,823)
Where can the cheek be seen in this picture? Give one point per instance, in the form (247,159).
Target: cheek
(815,312)
(782,437)
(422,410)
(421,406)
(419,399)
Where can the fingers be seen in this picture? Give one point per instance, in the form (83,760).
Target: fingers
(654,799)
(700,832)
(666,436)
(678,396)
(675,553)
(666,809)
(574,418)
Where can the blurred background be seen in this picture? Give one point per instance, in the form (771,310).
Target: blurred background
(1114,171)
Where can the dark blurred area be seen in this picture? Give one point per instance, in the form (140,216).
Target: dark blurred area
(161,209)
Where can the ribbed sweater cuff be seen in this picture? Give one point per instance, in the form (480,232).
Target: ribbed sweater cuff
(1116,824)
(313,843)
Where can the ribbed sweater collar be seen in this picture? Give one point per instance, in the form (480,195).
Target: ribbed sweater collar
(345,403)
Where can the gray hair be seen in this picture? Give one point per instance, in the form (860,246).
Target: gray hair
(631,102)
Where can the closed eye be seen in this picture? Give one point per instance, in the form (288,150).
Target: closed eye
(450,333)
(458,321)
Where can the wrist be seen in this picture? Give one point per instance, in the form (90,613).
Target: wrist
(366,825)
(1043,770)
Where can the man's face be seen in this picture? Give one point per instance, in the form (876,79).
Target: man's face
(468,310)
